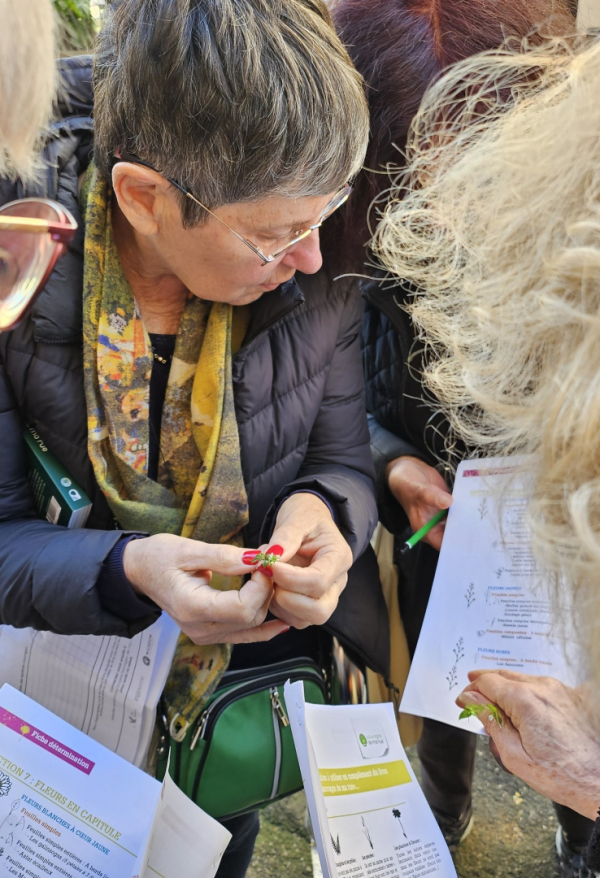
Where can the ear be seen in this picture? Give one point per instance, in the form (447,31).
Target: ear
(142,195)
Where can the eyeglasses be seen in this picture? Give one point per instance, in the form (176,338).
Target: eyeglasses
(338,199)
(34,232)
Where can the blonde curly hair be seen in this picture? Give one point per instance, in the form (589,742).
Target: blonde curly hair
(497,220)
(28,81)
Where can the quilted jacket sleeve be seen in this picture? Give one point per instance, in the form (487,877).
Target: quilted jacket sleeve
(338,461)
(48,574)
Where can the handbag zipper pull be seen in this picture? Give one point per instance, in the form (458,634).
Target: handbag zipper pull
(200,730)
(278,707)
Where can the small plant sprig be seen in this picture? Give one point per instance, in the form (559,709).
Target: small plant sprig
(266,559)
(476,709)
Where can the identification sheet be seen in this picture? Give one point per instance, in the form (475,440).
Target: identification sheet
(108,687)
(69,808)
(370,818)
(488,608)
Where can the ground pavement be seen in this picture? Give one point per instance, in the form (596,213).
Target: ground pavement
(513,835)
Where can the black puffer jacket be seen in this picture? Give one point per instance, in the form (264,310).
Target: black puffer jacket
(299,398)
(402,419)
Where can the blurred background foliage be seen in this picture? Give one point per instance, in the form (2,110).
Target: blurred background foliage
(78,22)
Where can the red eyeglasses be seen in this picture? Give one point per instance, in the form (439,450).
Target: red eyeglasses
(34,232)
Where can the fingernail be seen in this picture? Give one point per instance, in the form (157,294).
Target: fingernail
(283,630)
(275,550)
(250,557)
(268,571)
(470,697)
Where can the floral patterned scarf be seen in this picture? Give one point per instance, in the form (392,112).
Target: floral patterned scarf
(200,490)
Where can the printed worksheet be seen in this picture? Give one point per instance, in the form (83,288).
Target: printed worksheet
(108,687)
(369,816)
(488,606)
(69,808)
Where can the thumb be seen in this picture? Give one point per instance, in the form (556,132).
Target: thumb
(285,541)
(438,497)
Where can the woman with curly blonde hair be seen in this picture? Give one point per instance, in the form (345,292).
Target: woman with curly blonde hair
(499,225)
(400,47)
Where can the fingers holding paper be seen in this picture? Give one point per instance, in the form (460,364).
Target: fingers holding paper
(546,736)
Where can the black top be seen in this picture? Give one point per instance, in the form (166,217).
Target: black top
(163,347)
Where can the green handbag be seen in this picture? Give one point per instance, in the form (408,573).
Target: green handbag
(239,755)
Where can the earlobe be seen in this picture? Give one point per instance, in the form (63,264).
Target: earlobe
(140,194)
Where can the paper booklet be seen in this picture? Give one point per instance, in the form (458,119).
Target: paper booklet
(69,808)
(369,816)
(488,608)
(108,687)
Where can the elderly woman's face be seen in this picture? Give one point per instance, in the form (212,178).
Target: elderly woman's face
(209,259)
(216,265)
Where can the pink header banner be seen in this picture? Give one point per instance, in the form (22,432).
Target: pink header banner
(36,736)
(498,471)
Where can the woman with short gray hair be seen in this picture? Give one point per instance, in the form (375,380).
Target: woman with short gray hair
(204,396)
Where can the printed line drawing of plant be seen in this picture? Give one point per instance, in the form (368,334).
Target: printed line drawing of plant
(451,677)
(470,594)
(458,650)
(5,784)
(336,843)
(499,572)
(459,653)
(495,544)
(483,508)
(398,815)
(366,832)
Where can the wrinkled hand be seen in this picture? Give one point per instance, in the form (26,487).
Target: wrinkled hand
(546,739)
(421,491)
(176,574)
(309,584)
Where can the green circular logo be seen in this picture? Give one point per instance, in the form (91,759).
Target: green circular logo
(362,740)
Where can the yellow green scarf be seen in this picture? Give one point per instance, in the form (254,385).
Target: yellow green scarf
(200,490)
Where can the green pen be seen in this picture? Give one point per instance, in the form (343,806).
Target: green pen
(412,541)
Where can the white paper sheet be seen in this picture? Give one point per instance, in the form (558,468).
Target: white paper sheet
(184,842)
(108,687)
(70,808)
(369,815)
(488,608)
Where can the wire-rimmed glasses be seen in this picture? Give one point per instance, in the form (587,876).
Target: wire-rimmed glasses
(338,199)
(34,232)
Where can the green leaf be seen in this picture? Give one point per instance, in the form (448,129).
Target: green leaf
(477,709)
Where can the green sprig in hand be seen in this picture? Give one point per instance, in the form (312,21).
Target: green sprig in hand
(266,559)
(476,709)
(263,560)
